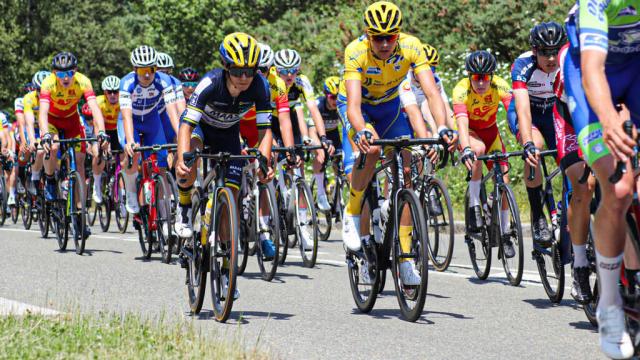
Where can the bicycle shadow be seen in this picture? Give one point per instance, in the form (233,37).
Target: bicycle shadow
(584,325)
(91,251)
(391,292)
(319,264)
(490,280)
(244,317)
(277,278)
(386,314)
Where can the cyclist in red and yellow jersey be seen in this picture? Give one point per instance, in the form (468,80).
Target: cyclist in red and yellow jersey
(475,104)
(59,96)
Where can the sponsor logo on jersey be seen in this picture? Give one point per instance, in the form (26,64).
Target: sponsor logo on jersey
(630,37)
(628,11)
(374,70)
(594,135)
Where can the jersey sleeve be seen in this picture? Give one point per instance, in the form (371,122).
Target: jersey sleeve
(177,88)
(263,103)
(416,54)
(407,97)
(197,102)
(5,121)
(125,93)
(168,91)
(18,106)
(305,85)
(519,74)
(459,98)
(48,85)
(85,86)
(504,91)
(282,101)
(352,65)
(593,25)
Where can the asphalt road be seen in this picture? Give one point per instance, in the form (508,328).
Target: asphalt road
(305,313)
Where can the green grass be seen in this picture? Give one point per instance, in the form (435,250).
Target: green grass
(112,336)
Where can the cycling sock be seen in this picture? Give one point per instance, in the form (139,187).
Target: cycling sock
(535,200)
(354,206)
(319,183)
(35,176)
(474,193)
(264,222)
(302,216)
(579,256)
(404,233)
(130,182)
(97,181)
(505,222)
(609,276)
(184,195)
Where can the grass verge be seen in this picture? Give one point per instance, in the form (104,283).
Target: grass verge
(112,336)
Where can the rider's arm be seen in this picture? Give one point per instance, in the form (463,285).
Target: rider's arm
(436,106)
(302,122)
(318,122)
(459,97)
(596,86)
(181,103)
(98,119)
(415,117)
(126,110)
(169,96)
(354,104)
(523,110)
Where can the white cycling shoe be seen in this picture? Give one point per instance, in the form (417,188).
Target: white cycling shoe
(183,226)
(97,196)
(408,274)
(307,239)
(132,203)
(615,341)
(323,203)
(351,231)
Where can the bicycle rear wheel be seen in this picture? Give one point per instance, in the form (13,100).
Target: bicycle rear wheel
(437,205)
(92,207)
(246,228)
(284,231)
(15,211)
(477,242)
(223,256)
(306,224)
(411,298)
(59,224)
(268,266)
(324,217)
(104,209)
(197,258)
(145,235)
(78,213)
(122,215)
(27,216)
(3,200)
(515,263)
(44,217)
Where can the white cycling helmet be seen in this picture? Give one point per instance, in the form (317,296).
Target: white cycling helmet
(266,56)
(111,82)
(164,61)
(39,77)
(287,58)
(144,56)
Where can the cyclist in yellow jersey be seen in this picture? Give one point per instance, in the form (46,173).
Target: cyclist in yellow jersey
(31,103)
(59,96)
(475,103)
(368,101)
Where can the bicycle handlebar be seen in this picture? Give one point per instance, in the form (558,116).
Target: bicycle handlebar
(402,142)
(532,169)
(621,167)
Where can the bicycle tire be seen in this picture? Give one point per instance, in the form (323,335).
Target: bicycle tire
(309,257)
(516,237)
(324,216)
(268,267)
(478,244)
(92,207)
(365,295)
(15,211)
(58,223)
(283,245)
(104,210)
(246,233)
(78,216)
(145,237)
(550,260)
(43,219)
(165,243)
(121,213)
(223,296)
(3,200)
(27,216)
(196,280)
(404,293)
(442,242)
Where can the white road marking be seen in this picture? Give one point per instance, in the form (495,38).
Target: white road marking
(11,307)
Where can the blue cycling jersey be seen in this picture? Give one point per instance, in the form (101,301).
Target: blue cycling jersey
(146,102)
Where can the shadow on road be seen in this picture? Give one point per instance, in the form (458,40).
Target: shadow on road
(243,317)
(319,264)
(90,252)
(542,303)
(385,314)
(584,325)
(277,278)
(504,282)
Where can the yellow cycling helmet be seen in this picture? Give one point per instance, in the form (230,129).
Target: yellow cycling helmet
(383,18)
(432,54)
(240,50)
(331,85)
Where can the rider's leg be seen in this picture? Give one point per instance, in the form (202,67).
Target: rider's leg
(534,187)
(97,167)
(578,212)
(479,148)
(185,188)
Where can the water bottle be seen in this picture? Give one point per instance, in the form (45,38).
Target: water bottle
(246,204)
(376,225)
(385,205)
(205,219)
(147,192)
(65,188)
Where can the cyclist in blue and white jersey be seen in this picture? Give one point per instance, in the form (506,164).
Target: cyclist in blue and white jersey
(170,125)
(142,93)
(602,69)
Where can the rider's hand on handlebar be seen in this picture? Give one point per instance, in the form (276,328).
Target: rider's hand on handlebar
(328,145)
(46,142)
(449,136)
(432,154)
(362,140)
(531,153)
(103,139)
(182,170)
(269,176)
(468,157)
(129,147)
(614,136)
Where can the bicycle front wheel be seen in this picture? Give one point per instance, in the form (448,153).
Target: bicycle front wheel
(512,236)
(196,258)
(271,230)
(223,256)
(284,231)
(306,225)
(478,242)
(27,216)
(78,213)
(3,200)
(163,223)
(411,296)
(104,209)
(324,217)
(122,215)
(145,235)
(437,205)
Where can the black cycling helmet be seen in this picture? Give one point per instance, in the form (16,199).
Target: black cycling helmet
(64,61)
(189,74)
(549,35)
(480,62)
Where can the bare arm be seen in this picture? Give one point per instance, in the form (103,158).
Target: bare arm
(354,104)
(98,120)
(436,106)
(317,117)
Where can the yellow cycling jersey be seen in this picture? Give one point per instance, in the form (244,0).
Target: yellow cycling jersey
(381,78)
(109,111)
(64,101)
(31,103)
(481,109)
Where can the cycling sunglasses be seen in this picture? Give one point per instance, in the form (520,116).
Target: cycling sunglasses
(481,77)
(64,74)
(387,38)
(290,71)
(111,92)
(145,70)
(331,96)
(190,84)
(548,51)
(238,72)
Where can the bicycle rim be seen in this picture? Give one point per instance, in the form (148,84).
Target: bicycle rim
(164,242)
(196,271)
(268,267)
(283,231)
(224,255)
(439,224)
(478,244)
(122,215)
(412,298)
(144,234)
(104,211)
(308,225)
(27,217)
(515,263)
(78,214)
